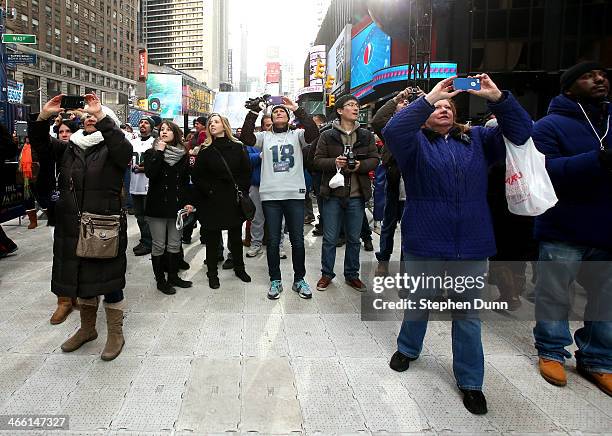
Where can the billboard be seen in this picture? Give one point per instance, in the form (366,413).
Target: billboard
(142,64)
(272,72)
(337,58)
(315,53)
(165,94)
(14,91)
(370,51)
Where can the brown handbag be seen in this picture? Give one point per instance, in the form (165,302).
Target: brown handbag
(98,234)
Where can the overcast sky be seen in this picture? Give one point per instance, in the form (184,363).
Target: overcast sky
(288,24)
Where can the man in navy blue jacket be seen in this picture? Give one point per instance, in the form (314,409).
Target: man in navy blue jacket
(576,235)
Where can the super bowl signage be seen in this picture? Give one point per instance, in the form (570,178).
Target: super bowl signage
(337,58)
(15,91)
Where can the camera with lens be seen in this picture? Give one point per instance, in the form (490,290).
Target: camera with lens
(351,162)
(258,103)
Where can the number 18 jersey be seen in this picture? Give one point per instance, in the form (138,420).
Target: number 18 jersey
(282,165)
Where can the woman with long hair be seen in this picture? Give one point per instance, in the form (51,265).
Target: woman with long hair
(167,167)
(217,196)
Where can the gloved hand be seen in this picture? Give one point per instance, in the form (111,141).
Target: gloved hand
(256,104)
(605,158)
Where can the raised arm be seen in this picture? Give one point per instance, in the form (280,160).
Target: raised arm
(382,117)
(247,135)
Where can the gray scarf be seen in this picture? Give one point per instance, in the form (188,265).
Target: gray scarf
(172,154)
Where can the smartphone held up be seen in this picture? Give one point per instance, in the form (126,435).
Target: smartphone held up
(73,102)
(466,83)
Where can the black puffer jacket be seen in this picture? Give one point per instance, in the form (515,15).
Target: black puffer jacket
(216,195)
(168,185)
(97,175)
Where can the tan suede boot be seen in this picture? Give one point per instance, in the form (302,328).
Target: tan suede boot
(33,219)
(552,371)
(64,307)
(114,325)
(87,332)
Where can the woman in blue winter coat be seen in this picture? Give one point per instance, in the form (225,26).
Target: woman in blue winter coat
(446,216)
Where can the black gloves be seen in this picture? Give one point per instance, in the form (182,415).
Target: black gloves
(257,104)
(605,158)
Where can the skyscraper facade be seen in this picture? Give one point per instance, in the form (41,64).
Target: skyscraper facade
(188,35)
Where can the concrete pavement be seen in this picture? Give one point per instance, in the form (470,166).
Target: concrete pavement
(229,360)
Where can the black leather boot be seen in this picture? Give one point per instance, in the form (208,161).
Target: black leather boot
(160,275)
(173,268)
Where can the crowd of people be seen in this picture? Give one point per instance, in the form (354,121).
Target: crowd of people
(439,185)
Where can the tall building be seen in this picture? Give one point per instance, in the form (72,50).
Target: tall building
(244,36)
(188,35)
(82,46)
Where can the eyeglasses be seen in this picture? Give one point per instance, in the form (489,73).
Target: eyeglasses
(351,105)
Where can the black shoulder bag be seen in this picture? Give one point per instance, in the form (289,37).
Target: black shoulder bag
(244,201)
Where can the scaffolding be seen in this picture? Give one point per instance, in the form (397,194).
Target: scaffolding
(419,42)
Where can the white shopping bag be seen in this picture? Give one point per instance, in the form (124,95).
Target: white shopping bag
(529,191)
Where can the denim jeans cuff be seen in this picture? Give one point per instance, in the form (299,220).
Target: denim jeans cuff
(407,354)
(469,387)
(595,368)
(550,356)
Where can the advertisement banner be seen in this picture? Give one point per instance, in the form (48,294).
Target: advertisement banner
(272,72)
(370,51)
(164,93)
(142,64)
(15,91)
(337,58)
(316,52)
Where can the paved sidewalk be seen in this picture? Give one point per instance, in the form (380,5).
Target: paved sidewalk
(229,360)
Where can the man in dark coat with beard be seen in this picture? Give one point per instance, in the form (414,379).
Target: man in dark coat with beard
(91,166)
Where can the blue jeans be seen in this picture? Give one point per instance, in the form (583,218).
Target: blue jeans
(338,212)
(126,185)
(392,215)
(468,355)
(559,265)
(293,211)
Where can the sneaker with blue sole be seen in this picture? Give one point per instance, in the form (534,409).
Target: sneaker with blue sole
(276,287)
(302,289)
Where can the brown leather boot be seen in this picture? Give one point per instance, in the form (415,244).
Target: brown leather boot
(114,338)
(64,307)
(601,379)
(33,220)
(87,332)
(552,371)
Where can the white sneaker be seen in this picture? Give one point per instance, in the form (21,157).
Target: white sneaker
(253,251)
(282,253)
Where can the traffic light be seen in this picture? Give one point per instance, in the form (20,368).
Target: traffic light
(320,69)
(329,82)
(331,100)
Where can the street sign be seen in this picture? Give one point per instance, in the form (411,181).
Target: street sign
(20,58)
(18,39)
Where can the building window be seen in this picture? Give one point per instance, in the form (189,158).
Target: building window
(24,18)
(68,21)
(74,89)
(93,48)
(31,90)
(76,39)
(54,87)
(34,25)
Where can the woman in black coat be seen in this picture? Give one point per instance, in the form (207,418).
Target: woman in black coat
(167,167)
(216,194)
(91,166)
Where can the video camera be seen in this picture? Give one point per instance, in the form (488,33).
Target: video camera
(258,103)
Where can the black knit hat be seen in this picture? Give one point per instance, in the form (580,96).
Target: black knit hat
(156,120)
(148,120)
(573,73)
(278,106)
(201,120)
(342,100)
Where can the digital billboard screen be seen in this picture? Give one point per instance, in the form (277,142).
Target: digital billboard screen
(370,51)
(165,94)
